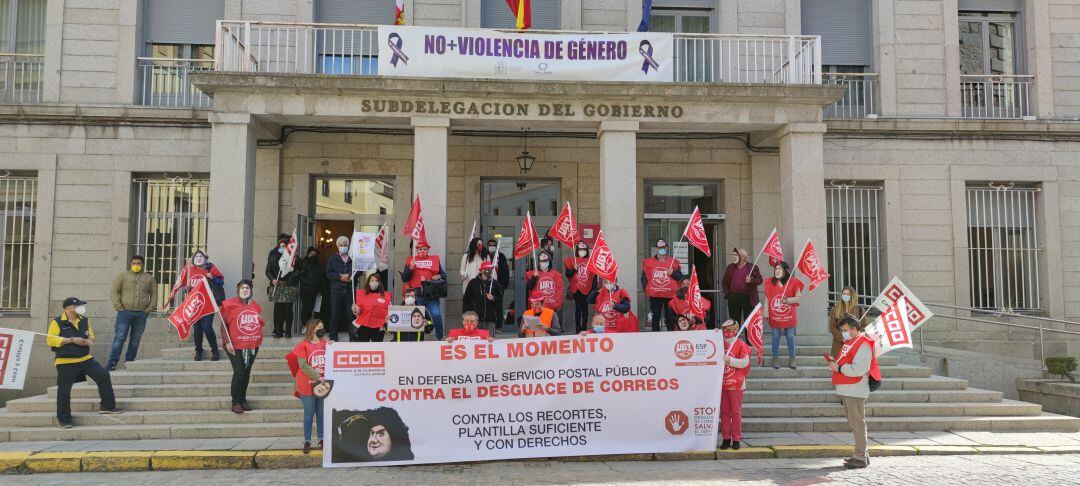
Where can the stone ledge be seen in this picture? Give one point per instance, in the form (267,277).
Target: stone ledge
(117,461)
(746,453)
(54,462)
(287,459)
(12,460)
(177,460)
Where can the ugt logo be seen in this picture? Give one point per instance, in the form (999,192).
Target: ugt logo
(676,422)
(194,306)
(684,349)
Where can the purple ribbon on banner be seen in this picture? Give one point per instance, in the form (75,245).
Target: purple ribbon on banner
(394,41)
(646,50)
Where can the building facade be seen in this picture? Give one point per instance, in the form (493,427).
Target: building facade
(936,140)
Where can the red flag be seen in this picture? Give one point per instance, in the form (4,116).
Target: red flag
(811,266)
(565,228)
(755,332)
(772,248)
(522,10)
(198,304)
(693,295)
(414,224)
(601,260)
(528,240)
(695,233)
(382,252)
(180,279)
(399,12)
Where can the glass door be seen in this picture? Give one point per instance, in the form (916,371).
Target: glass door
(503,205)
(668,206)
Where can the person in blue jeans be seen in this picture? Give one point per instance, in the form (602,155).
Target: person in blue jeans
(133,295)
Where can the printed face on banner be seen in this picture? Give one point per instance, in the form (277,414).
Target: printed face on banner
(248,322)
(405,318)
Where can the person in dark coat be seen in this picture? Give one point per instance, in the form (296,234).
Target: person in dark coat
(312,281)
(482,296)
(283,287)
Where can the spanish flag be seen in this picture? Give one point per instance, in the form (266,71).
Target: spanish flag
(522,10)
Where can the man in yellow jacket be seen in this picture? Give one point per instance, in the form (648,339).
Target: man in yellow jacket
(71,337)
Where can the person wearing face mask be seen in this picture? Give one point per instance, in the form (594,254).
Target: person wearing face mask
(736,368)
(133,295)
(469,330)
(582,281)
(613,304)
(740,284)
(371,308)
(547,318)
(781,294)
(283,289)
(307,363)
(847,305)
(339,272)
(660,276)
(500,271)
(482,295)
(199,269)
(680,304)
(597,325)
(547,281)
(471,260)
(425,267)
(70,337)
(241,336)
(312,281)
(421,321)
(853,368)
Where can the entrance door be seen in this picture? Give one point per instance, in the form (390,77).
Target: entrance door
(668,206)
(503,205)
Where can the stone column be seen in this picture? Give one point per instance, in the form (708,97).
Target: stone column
(618,201)
(232,196)
(429,178)
(802,211)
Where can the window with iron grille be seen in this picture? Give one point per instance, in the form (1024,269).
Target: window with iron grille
(18,200)
(1003,246)
(853,227)
(168,225)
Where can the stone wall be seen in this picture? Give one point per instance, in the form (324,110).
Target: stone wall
(1065,56)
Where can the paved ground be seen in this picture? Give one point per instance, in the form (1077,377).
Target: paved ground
(936,470)
(763,439)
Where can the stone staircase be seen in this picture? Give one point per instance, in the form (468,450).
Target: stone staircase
(173,397)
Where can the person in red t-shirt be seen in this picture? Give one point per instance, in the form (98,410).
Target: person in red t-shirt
(660,276)
(469,330)
(782,296)
(420,268)
(372,305)
(547,281)
(736,368)
(241,337)
(307,361)
(581,282)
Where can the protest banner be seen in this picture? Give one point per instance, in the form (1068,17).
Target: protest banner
(15,349)
(517,398)
(443,52)
(405,318)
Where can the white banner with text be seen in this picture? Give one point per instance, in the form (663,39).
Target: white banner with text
(484,53)
(15,349)
(430,402)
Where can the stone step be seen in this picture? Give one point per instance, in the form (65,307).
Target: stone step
(932,383)
(180,378)
(887,372)
(880,396)
(89,390)
(191,366)
(173,417)
(273,349)
(1006,408)
(143,431)
(42,403)
(1044,422)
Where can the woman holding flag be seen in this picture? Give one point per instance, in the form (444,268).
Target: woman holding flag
(582,281)
(613,303)
(736,368)
(198,269)
(284,281)
(471,260)
(781,294)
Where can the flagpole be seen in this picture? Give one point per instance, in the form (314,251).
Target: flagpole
(743,327)
(791,272)
(217,310)
(31,332)
(762,250)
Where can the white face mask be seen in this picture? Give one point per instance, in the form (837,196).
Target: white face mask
(373,285)
(609,286)
(492,248)
(81,310)
(244,292)
(410,300)
(846,335)
(845,298)
(199,260)
(343,249)
(544,265)
(582,253)
(281,249)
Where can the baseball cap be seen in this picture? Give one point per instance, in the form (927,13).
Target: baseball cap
(70,301)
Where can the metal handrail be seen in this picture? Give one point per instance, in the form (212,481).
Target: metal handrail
(990,76)
(20,54)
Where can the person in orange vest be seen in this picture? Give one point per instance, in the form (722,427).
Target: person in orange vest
(241,340)
(582,281)
(853,370)
(424,267)
(469,330)
(548,319)
(371,306)
(660,276)
(613,303)
(547,281)
(736,368)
